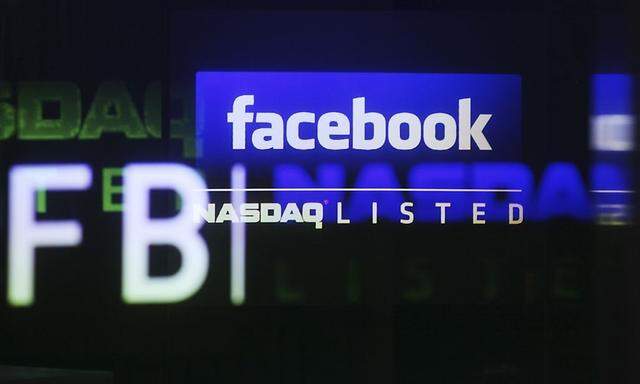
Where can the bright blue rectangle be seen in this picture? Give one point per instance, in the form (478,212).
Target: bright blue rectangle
(612,94)
(387,93)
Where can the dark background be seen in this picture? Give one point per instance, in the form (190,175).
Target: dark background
(526,331)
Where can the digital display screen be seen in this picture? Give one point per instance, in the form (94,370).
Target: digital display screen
(321,192)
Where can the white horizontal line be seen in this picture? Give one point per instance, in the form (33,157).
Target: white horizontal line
(356,190)
(612,191)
